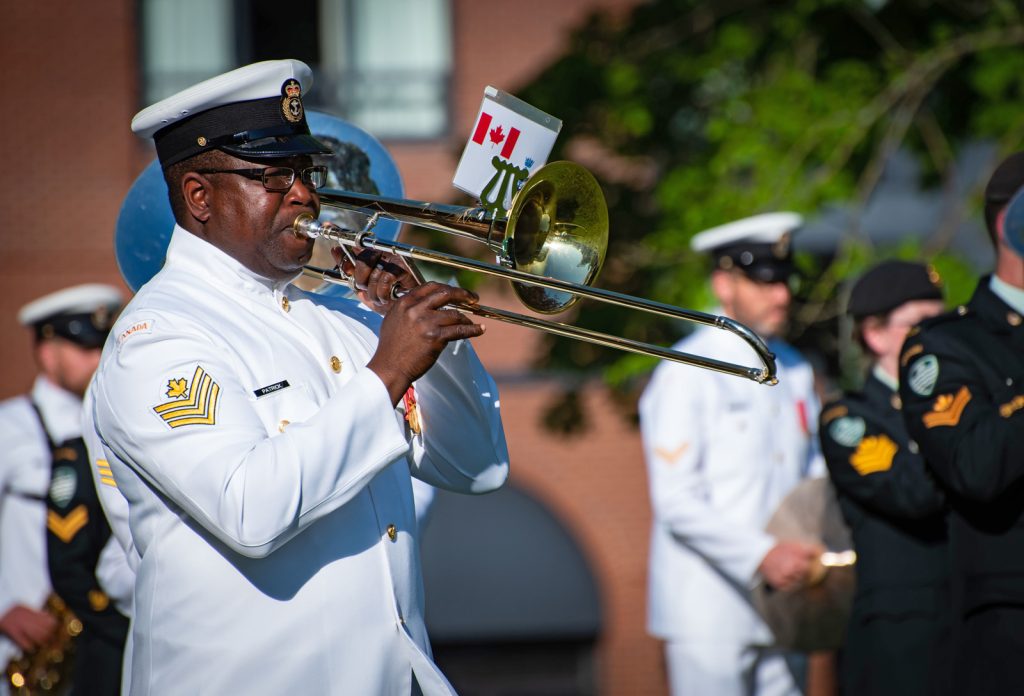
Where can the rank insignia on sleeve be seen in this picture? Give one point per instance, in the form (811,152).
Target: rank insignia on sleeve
(190,403)
(923,375)
(874,453)
(672,456)
(106,475)
(947,409)
(847,431)
(67,526)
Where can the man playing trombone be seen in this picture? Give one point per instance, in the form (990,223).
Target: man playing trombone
(721,454)
(264,437)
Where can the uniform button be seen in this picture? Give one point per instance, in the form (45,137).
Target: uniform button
(912,446)
(961,310)
(336,363)
(282,425)
(392,532)
(285,304)
(1013,318)
(896,401)
(1009,381)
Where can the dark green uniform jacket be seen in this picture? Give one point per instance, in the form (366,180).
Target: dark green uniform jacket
(962,384)
(898,635)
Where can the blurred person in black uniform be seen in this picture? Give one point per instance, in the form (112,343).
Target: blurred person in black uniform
(69,328)
(898,636)
(962,384)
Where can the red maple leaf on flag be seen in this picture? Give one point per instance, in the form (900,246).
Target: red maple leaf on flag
(496,135)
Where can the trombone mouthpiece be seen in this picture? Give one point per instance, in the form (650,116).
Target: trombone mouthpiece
(306,226)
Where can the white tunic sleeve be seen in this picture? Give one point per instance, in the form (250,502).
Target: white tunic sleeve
(212,456)
(461,446)
(674,413)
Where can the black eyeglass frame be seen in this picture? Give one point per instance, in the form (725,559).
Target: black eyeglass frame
(260,174)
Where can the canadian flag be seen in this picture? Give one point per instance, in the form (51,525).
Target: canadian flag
(509,137)
(496,135)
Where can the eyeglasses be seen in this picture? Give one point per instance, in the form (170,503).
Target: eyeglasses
(277,178)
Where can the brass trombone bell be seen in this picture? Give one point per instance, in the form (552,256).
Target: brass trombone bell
(551,247)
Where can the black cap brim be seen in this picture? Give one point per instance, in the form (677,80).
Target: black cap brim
(278,147)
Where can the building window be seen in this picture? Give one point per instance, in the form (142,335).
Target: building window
(384,65)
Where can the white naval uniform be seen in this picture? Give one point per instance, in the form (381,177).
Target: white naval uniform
(721,454)
(274,523)
(25,463)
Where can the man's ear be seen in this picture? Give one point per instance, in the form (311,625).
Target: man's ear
(195,191)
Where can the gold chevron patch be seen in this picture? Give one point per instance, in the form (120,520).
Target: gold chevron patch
(65,528)
(947,409)
(193,403)
(106,475)
(874,453)
(672,456)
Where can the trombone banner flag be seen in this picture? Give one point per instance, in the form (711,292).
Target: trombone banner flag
(510,140)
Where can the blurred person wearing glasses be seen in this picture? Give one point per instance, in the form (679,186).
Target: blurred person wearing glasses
(721,454)
(264,437)
(898,636)
(52,530)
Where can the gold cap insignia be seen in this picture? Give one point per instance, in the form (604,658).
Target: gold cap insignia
(291,101)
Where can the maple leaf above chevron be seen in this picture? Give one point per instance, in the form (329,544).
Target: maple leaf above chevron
(176,388)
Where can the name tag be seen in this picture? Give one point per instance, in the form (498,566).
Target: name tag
(271,388)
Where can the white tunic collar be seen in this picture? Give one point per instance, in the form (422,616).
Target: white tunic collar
(195,256)
(61,410)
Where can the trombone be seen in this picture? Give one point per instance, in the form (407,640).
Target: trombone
(550,246)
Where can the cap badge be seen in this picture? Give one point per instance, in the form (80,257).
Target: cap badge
(781,248)
(291,101)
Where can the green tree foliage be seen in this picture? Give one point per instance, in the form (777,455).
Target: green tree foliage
(693,114)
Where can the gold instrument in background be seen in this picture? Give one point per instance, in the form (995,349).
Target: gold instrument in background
(551,247)
(47,669)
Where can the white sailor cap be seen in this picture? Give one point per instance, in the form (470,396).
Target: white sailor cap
(254,112)
(759,245)
(82,314)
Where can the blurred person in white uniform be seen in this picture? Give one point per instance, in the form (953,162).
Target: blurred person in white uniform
(40,438)
(264,437)
(721,454)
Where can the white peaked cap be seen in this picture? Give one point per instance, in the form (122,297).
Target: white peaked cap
(767,228)
(80,299)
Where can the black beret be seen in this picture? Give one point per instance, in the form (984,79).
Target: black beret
(1006,180)
(890,284)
